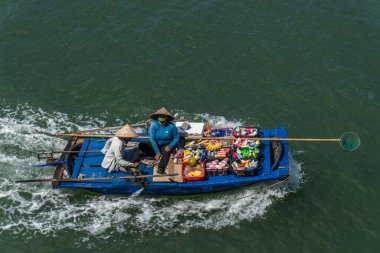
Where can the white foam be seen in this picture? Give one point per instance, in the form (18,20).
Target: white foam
(41,209)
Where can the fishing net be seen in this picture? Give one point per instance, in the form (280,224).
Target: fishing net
(349,141)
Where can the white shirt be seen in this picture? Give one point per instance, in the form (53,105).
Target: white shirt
(114,154)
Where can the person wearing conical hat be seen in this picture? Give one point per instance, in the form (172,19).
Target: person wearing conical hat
(163,138)
(114,158)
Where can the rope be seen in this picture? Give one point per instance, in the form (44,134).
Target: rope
(260,190)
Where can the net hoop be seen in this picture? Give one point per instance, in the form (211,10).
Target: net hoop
(349,141)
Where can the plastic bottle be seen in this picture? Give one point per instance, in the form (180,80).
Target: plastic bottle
(66,174)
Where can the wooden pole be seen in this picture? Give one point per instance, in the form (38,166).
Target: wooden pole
(84,135)
(261,139)
(108,128)
(90,179)
(105,128)
(206,138)
(68,152)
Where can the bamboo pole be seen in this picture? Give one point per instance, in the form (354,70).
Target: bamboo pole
(68,152)
(90,179)
(208,138)
(84,135)
(106,128)
(261,139)
(109,128)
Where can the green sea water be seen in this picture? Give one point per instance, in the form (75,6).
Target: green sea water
(312,66)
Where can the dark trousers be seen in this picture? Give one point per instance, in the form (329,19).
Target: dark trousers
(132,155)
(147,148)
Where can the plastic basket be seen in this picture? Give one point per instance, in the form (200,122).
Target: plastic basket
(187,177)
(245,171)
(245,131)
(217,172)
(219,132)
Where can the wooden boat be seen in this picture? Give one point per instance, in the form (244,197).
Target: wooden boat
(82,170)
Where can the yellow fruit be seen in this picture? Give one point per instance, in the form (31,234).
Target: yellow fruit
(195,173)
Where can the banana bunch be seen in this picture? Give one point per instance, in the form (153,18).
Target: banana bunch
(202,143)
(213,146)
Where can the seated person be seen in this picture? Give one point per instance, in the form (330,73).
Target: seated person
(114,159)
(163,138)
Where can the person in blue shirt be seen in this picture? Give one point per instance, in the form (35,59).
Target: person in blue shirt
(163,139)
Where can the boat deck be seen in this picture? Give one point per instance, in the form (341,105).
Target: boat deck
(87,165)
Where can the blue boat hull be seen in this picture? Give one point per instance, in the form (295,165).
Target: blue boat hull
(87,165)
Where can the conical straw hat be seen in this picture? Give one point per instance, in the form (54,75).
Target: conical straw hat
(162,111)
(126,132)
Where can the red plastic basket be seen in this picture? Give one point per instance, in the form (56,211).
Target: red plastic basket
(186,176)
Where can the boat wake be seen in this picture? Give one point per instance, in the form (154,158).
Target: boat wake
(30,209)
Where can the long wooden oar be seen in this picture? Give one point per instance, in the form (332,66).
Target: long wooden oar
(90,179)
(349,141)
(258,138)
(68,152)
(108,128)
(200,137)
(85,135)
